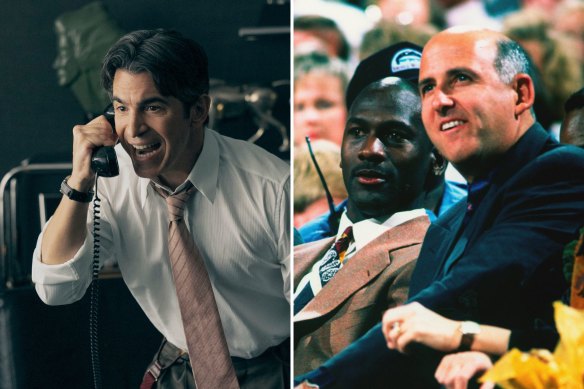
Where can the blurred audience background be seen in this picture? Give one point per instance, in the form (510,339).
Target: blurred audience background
(319,97)
(332,36)
(310,197)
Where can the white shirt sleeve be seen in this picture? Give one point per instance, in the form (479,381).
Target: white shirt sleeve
(67,282)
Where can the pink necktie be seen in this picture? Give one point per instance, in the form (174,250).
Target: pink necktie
(208,351)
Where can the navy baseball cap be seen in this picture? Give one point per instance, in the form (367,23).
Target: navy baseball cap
(400,60)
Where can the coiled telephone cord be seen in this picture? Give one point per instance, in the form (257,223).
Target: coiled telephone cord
(94,294)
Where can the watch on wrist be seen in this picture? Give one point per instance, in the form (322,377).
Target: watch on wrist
(468,329)
(75,195)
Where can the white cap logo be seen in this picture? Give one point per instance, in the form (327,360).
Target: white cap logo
(405,59)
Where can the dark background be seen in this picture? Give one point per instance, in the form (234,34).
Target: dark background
(37,115)
(48,347)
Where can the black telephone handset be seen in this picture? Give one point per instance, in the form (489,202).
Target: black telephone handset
(103,161)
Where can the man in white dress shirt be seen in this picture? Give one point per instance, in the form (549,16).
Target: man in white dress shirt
(238,217)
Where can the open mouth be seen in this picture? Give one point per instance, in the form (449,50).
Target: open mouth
(451,125)
(370,177)
(146,150)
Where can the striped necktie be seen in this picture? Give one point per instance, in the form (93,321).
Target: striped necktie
(208,351)
(331,263)
(335,257)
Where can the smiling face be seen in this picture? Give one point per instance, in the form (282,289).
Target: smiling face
(470,115)
(385,154)
(161,139)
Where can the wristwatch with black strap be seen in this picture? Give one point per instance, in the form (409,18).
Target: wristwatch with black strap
(468,329)
(75,195)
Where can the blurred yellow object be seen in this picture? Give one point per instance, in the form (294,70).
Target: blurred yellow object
(539,369)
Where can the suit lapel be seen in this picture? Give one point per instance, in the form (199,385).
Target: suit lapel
(475,225)
(364,266)
(437,243)
(527,147)
(453,246)
(440,251)
(306,255)
(456,252)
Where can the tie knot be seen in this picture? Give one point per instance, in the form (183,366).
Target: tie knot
(176,202)
(343,242)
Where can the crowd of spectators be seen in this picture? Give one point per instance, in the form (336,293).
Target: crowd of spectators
(332,36)
(550,31)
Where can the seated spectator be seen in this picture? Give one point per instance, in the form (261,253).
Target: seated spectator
(553,55)
(317,33)
(319,94)
(309,195)
(493,259)
(341,290)
(404,60)
(572,130)
(351,21)
(413,323)
(567,19)
(410,12)
(468,12)
(386,33)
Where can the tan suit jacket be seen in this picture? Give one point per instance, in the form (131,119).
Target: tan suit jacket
(373,279)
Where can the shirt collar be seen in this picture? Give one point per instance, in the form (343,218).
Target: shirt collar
(367,230)
(204,174)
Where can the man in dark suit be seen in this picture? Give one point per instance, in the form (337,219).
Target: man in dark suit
(386,158)
(495,259)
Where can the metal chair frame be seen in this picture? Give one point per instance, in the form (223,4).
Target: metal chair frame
(9,236)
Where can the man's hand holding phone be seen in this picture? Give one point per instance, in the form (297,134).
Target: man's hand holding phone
(87,139)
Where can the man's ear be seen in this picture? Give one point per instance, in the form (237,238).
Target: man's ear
(435,173)
(438,163)
(200,110)
(523,86)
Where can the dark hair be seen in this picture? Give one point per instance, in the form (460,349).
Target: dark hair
(575,101)
(178,65)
